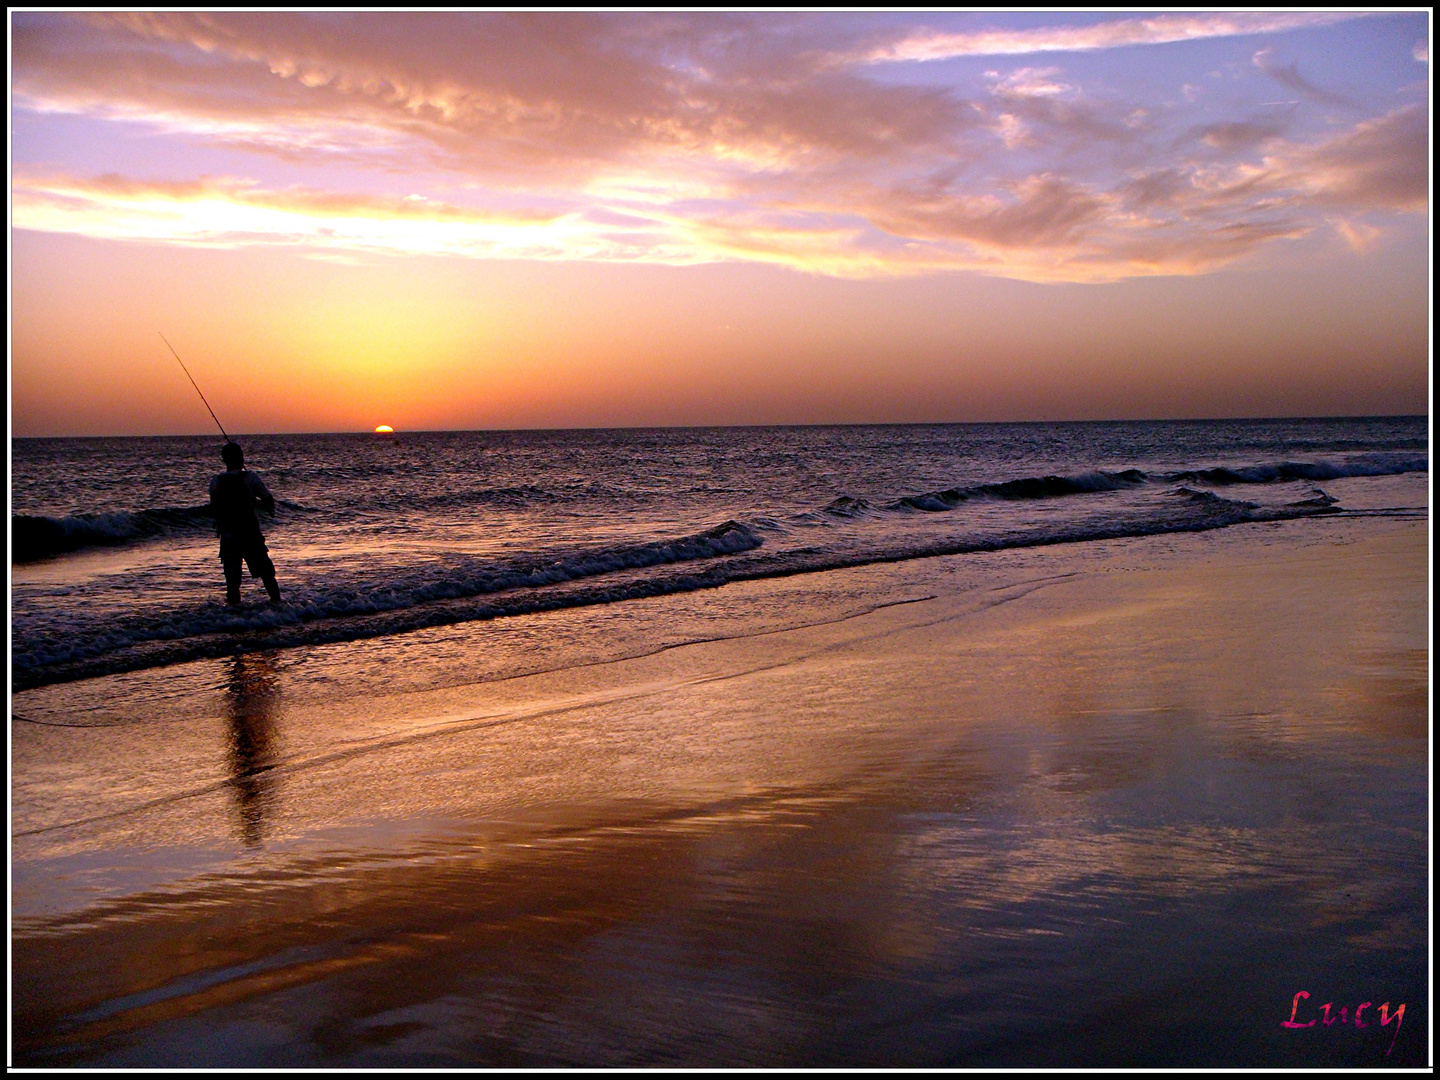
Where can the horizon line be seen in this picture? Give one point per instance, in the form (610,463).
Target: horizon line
(712,427)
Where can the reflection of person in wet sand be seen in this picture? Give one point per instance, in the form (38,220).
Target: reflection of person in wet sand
(251,697)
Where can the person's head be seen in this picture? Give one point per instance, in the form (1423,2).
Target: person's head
(232,455)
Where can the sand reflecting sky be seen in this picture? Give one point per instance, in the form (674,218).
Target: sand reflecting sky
(1016,825)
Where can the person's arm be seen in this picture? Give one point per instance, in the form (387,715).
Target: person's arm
(214,506)
(261,493)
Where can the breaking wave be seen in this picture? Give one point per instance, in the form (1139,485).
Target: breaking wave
(1362,465)
(1054,487)
(207,627)
(335,602)
(467,590)
(34,538)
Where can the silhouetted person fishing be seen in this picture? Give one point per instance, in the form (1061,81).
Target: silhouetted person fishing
(234,494)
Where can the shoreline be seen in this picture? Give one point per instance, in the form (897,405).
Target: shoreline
(950,727)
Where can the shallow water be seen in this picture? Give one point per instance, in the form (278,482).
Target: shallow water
(1113,802)
(374,536)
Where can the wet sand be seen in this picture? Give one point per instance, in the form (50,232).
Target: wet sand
(1100,808)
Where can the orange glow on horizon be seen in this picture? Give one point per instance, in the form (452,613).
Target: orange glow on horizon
(282,344)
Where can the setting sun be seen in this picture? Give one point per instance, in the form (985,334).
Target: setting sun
(384,429)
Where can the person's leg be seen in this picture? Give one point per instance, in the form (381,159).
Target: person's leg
(232,578)
(261,567)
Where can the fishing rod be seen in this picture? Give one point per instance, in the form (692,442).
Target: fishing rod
(194,384)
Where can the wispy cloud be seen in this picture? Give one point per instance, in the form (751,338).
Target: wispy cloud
(1155,30)
(1288,75)
(1031,82)
(1358,234)
(1381,164)
(1233,135)
(225,212)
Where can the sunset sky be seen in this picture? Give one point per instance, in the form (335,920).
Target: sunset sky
(442,221)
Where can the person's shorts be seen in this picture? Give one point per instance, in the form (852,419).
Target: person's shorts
(250,548)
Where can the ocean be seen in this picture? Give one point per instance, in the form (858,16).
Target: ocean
(115,565)
(1049,745)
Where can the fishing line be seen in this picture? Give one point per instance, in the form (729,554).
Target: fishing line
(194,384)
